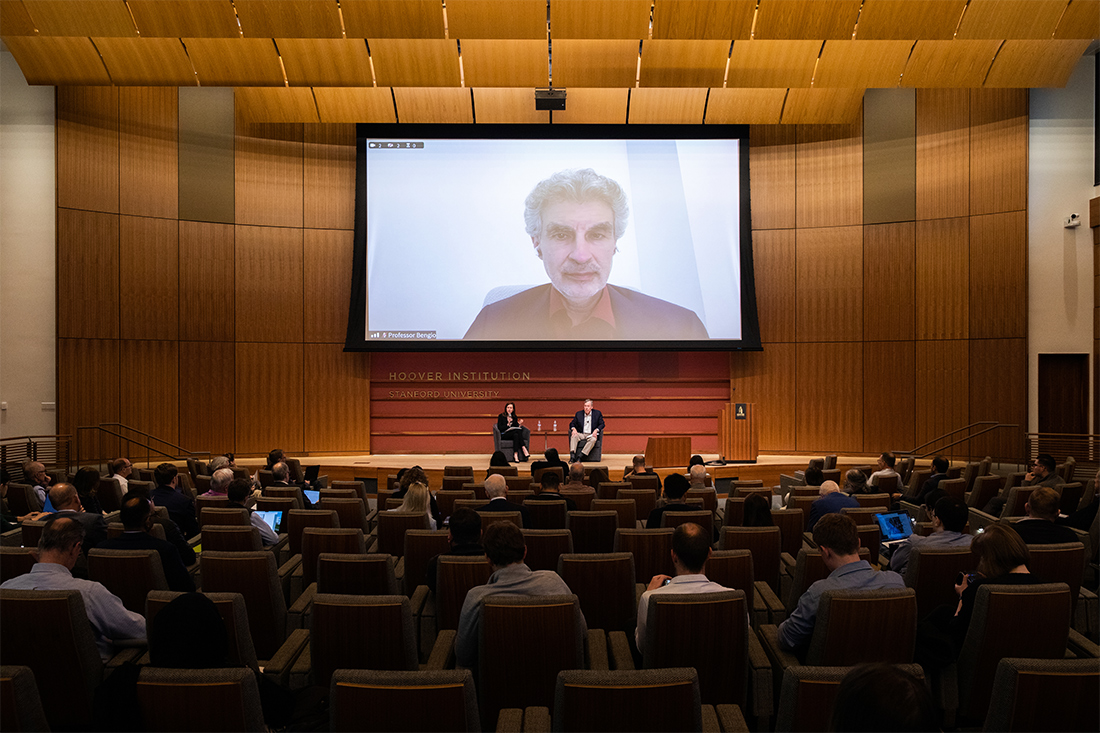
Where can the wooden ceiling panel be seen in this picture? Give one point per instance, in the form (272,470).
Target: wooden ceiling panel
(594,106)
(58,61)
(772,63)
(1080,20)
(355,104)
(185,18)
(81,17)
(496,19)
(289,18)
(949,64)
(146,61)
(599,19)
(1015,19)
(498,105)
(668,63)
(667,106)
(909,19)
(415,62)
(703,19)
(228,62)
(862,64)
(433,105)
(1024,63)
(807,19)
(326,62)
(745,106)
(274,104)
(493,63)
(14,19)
(822,106)
(393,18)
(586,63)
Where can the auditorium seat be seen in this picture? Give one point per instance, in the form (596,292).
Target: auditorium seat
(644,500)
(129,574)
(604,584)
(764,543)
(652,551)
(699,516)
(790,523)
(199,699)
(391,530)
(545,546)
(546,514)
(582,497)
(298,519)
(15,561)
(421,545)
(643,481)
(611,489)
(626,509)
(445,500)
(380,701)
(985,488)
(517,483)
(22,708)
(352,512)
(455,576)
(734,570)
(231,608)
(1017,499)
(109,494)
(1044,694)
(357,486)
(808,694)
(536,473)
(458,471)
(292,492)
(478,487)
(345,573)
(1060,563)
(502,471)
(593,531)
(931,573)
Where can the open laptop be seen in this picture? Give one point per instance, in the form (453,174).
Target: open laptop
(895,527)
(273,519)
(313,495)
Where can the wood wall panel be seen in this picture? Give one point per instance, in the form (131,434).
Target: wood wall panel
(998,391)
(87,274)
(829,170)
(149,397)
(268,284)
(773,255)
(767,378)
(87,393)
(829,279)
(943,278)
(87,148)
(149,293)
(889,298)
(998,275)
(889,396)
(942,390)
(207,282)
(337,392)
(327,264)
(329,176)
(829,395)
(269,397)
(943,153)
(207,396)
(148,139)
(495,105)
(772,176)
(269,173)
(998,150)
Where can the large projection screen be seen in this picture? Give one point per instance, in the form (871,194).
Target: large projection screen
(489,237)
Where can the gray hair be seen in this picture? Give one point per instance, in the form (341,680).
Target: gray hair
(698,474)
(218,462)
(577,186)
(221,479)
(280,471)
(496,486)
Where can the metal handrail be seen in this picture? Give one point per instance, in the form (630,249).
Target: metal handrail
(991,426)
(19,448)
(105,428)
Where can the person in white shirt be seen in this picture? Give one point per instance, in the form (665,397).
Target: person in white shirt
(885,467)
(690,552)
(121,468)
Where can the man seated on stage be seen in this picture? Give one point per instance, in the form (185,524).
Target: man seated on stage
(547,490)
(496,488)
(585,427)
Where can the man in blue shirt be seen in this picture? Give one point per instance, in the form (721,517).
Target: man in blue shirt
(831,500)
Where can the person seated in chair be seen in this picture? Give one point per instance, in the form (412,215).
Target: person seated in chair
(1038,527)
(464,537)
(137,521)
(831,499)
(676,487)
(238,491)
(948,522)
(552,461)
(639,468)
(574,480)
(510,426)
(547,490)
(496,488)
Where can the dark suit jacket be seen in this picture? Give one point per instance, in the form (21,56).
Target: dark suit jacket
(174,572)
(657,515)
(547,464)
(1042,532)
(578,423)
(95,528)
(503,505)
(933,482)
(180,508)
(637,317)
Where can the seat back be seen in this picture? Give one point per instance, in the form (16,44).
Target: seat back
(224,516)
(22,499)
(454,483)
(644,500)
(392,527)
(20,703)
(707,631)
(652,551)
(1059,563)
(970,472)
(109,494)
(593,531)
(421,545)
(708,495)
(502,471)
(582,498)
(833,474)
(1017,498)
(458,471)
(358,487)
(916,480)
(286,492)
(352,512)
(931,573)
(31,532)
(298,519)
(15,561)
(611,489)
(255,576)
(994,634)
(488,518)
(735,511)
(854,627)
(955,487)
(455,576)
(361,632)
(743,491)
(199,699)
(1071,497)
(536,473)
(546,513)
(870,536)
(234,615)
(808,694)
(229,538)
(863,514)
(733,569)
(696,516)
(633,700)
(276,504)
(318,540)
(518,668)
(265,477)
(338,494)
(443,700)
(129,574)
(790,523)
(356,574)
(545,546)
(604,584)
(202,484)
(765,544)
(643,481)
(1023,690)
(985,488)
(478,487)
(880,500)
(65,661)
(445,499)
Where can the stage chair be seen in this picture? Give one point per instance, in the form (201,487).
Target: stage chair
(421,545)
(645,501)
(545,546)
(734,569)
(765,544)
(488,518)
(508,445)
(391,530)
(381,702)
(546,514)
(611,489)
(593,531)
(1044,694)
(652,551)
(583,498)
(129,574)
(199,699)
(625,508)
(985,488)
(22,709)
(808,696)
(604,585)
(15,561)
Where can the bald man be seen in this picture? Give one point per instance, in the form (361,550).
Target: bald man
(496,488)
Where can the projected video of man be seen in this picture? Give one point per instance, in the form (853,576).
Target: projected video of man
(575,219)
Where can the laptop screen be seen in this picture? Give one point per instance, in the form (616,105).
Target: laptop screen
(894,526)
(273,519)
(313,496)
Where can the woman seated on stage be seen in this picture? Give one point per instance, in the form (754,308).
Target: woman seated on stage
(511,428)
(417,499)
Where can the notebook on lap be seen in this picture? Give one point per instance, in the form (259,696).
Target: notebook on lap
(312,473)
(895,527)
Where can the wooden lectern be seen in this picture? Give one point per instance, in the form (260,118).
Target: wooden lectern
(737,433)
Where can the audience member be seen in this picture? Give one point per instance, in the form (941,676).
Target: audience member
(758,512)
(219,482)
(464,537)
(885,467)
(1084,517)
(10,521)
(34,473)
(217,463)
(172,531)
(695,460)
(856,483)
(814,476)
(406,477)
(552,460)
(58,550)
(496,488)
(498,460)
(1038,527)
(238,491)
(697,477)
(181,509)
(67,501)
(280,474)
(882,697)
(939,473)
(548,490)
(838,538)
(86,482)
(597,476)
(120,469)
(830,500)
(949,518)
(676,487)
(137,520)
(1043,473)
(690,552)
(575,478)
(506,550)
(417,499)
(640,469)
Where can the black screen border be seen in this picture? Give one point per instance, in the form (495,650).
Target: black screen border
(355,338)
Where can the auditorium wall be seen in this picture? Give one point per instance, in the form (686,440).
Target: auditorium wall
(228,335)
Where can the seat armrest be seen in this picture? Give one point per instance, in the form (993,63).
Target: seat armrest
(291,577)
(763,680)
(786,562)
(510,721)
(297,616)
(195,541)
(371,542)
(1082,646)
(774,607)
(769,643)
(443,653)
(710,719)
(730,718)
(131,651)
(419,600)
(12,538)
(980,520)
(399,569)
(301,670)
(909,505)
(597,649)
(808,538)
(621,656)
(280,548)
(279,666)
(536,720)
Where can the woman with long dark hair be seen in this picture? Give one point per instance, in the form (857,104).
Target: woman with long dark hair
(511,428)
